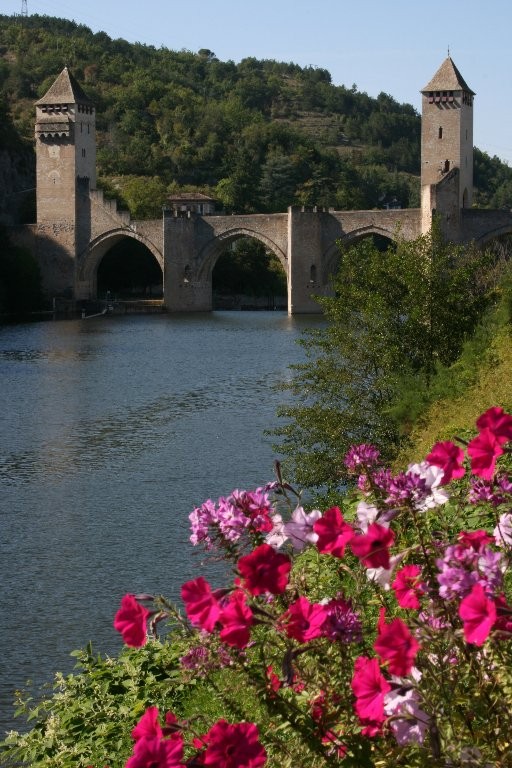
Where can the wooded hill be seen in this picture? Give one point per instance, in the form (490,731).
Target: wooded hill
(257,135)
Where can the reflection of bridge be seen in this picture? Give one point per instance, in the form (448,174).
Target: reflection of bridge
(76,227)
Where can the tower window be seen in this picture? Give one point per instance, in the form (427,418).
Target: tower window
(440,132)
(83,152)
(446,166)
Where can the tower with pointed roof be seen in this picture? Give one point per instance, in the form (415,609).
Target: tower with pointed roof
(447,139)
(65,164)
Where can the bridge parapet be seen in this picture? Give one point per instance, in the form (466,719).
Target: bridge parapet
(481,225)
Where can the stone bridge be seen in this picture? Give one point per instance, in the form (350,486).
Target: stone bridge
(187,247)
(76,226)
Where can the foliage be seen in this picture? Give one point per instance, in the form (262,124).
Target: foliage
(83,722)
(248,269)
(373,636)
(265,134)
(394,319)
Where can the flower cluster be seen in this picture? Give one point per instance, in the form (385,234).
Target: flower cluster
(406,611)
(223,746)
(242,514)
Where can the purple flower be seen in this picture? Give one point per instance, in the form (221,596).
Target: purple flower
(361,456)
(342,623)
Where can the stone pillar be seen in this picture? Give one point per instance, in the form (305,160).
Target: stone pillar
(305,259)
(185,289)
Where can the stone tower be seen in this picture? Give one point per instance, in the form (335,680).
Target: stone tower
(446,146)
(65,172)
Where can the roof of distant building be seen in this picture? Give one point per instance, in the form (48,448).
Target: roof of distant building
(447,78)
(65,90)
(189,197)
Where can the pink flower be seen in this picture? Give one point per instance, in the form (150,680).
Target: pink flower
(265,570)
(484,450)
(333,533)
(407,586)
(449,457)
(303,620)
(156,753)
(130,621)
(372,547)
(478,613)
(201,604)
(236,618)
(396,645)
(498,422)
(369,687)
(233,746)
(148,726)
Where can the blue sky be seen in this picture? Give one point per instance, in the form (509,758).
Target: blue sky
(393,46)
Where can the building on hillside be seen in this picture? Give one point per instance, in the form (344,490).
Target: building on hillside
(191,202)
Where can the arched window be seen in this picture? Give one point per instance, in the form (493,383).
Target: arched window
(440,132)
(312,273)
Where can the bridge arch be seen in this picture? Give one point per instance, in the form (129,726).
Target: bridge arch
(493,234)
(101,245)
(331,256)
(210,253)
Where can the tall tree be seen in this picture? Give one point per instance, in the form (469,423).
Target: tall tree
(394,318)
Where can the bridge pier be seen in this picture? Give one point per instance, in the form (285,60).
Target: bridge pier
(305,260)
(186,288)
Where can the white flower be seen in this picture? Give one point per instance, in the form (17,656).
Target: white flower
(367,514)
(276,537)
(503,531)
(300,527)
(433,477)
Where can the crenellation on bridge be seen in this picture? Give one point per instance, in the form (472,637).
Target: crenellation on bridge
(76,225)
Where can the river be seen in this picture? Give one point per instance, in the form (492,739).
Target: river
(113,430)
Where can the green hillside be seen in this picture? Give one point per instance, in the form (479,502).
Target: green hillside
(258,135)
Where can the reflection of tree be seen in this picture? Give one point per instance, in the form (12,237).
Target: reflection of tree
(129,270)
(249,269)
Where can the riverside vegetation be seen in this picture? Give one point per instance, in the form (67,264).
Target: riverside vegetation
(370,627)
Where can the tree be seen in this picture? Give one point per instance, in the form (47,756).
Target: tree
(396,316)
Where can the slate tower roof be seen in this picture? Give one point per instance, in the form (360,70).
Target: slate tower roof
(447,78)
(65,90)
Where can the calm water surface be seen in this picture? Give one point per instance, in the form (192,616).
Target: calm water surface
(112,431)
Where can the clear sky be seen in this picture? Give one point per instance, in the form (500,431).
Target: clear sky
(393,46)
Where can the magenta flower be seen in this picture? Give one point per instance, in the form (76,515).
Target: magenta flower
(303,620)
(369,687)
(478,613)
(233,746)
(484,450)
(265,570)
(449,458)
(333,533)
(236,618)
(372,548)
(407,586)
(157,753)
(148,726)
(130,621)
(201,605)
(396,645)
(498,422)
